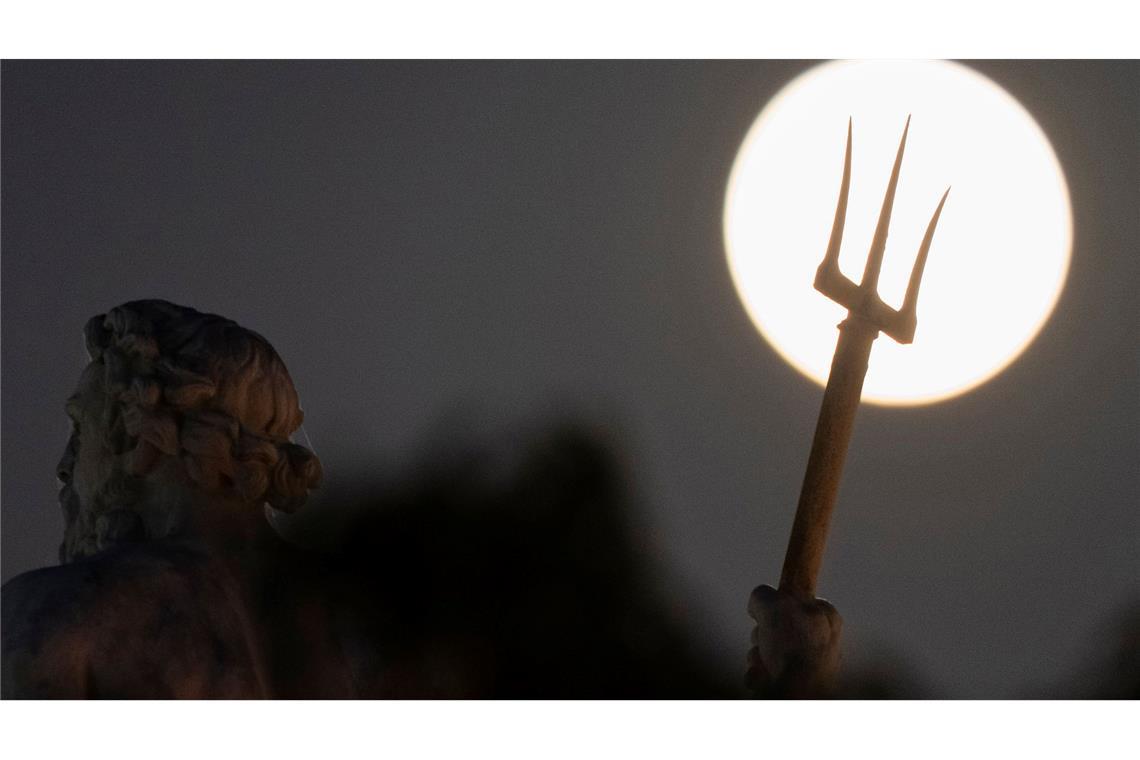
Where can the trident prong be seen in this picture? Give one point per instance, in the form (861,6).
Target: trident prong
(867,316)
(863,299)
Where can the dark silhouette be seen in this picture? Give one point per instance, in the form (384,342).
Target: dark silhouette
(464,581)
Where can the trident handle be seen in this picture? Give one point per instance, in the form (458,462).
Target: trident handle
(828,452)
(867,315)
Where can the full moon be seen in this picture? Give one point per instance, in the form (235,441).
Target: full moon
(1000,253)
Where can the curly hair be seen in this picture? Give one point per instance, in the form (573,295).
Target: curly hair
(202,388)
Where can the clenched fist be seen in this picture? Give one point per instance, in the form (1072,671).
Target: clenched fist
(795,645)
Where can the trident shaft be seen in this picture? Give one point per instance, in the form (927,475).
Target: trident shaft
(867,315)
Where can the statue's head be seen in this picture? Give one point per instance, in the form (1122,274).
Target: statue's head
(177,409)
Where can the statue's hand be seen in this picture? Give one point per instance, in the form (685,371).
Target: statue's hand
(795,645)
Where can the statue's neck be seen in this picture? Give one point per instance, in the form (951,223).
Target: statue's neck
(233,528)
(173,506)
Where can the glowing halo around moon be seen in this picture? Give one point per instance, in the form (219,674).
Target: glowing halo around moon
(1000,254)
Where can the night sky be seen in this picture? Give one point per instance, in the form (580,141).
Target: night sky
(470,249)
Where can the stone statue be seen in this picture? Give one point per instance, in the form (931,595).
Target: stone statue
(451,583)
(180,450)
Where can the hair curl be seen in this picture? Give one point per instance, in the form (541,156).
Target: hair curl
(202,388)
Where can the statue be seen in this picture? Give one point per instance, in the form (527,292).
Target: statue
(451,583)
(180,448)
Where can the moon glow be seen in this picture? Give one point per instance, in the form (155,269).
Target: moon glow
(1000,254)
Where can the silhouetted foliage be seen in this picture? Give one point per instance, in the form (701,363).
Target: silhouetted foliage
(465,582)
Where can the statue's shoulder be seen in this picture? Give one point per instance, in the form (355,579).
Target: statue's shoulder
(96,626)
(95,584)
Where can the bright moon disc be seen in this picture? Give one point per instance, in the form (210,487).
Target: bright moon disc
(1000,253)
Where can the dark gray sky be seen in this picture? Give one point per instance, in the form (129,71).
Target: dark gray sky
(520,240)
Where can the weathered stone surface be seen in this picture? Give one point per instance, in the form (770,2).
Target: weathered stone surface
(181,426)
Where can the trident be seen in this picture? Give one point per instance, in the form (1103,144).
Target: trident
(867,315)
